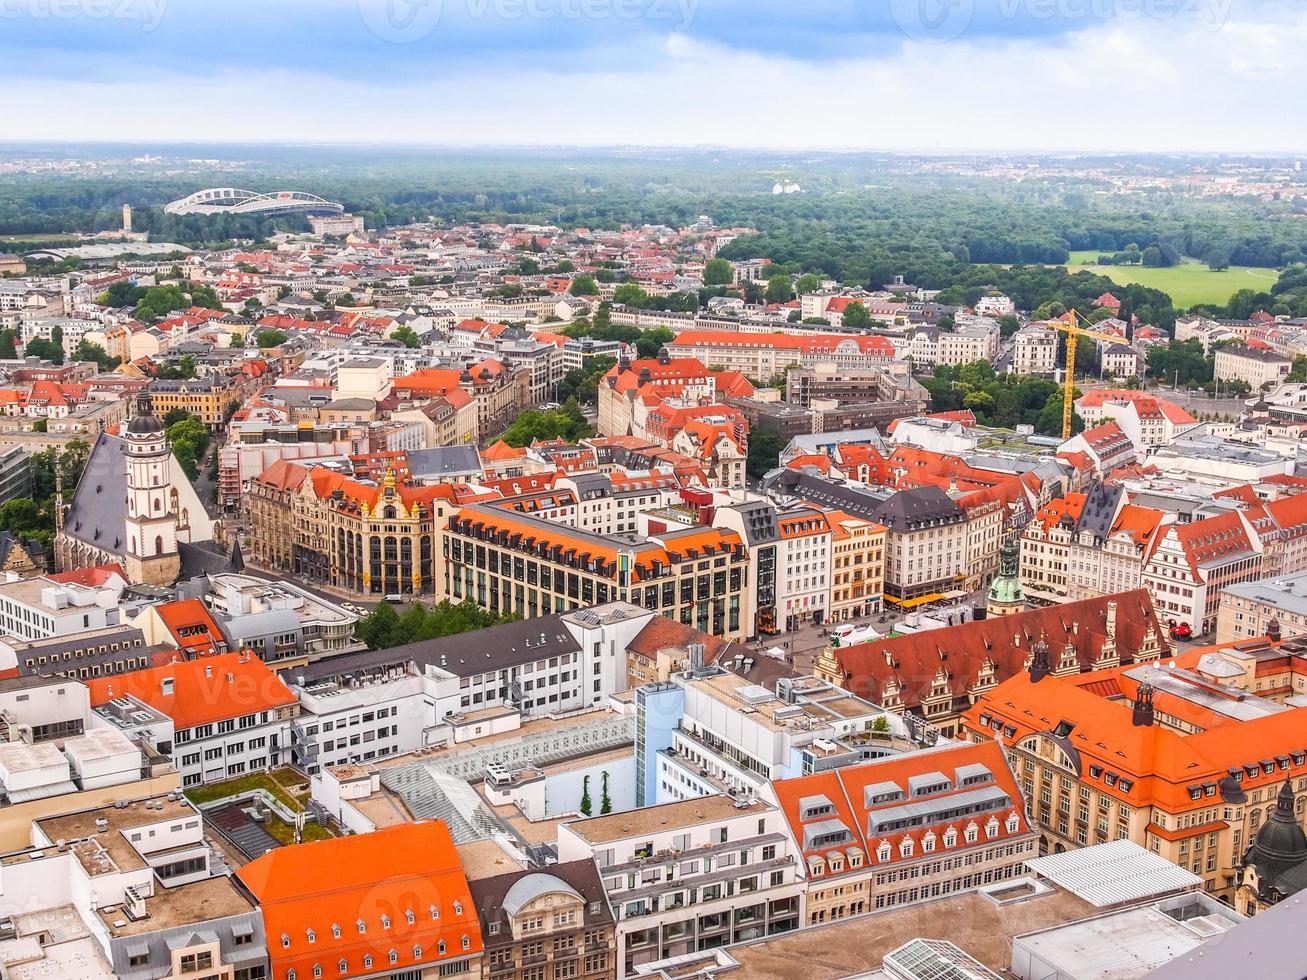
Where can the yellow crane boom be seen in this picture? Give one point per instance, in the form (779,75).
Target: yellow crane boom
(1073,334)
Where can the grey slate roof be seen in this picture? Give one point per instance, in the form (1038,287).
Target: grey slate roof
(98,514)
(444,461)
(496,648)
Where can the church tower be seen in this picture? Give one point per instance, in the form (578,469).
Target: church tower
(1006,596)
(152,555)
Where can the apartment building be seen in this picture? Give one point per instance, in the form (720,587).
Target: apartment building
(1186,760)
(925,543)
(517,563)
(763,356)
(689,876)
(541,925)
(803,567)
(1150,421)
(1034,352)
(936,675)
(899,831)
(1252,365)
(216,718)
(857,573)
(205,398)
(1193,563)
(1085,545)
(973,339)
(1251,609)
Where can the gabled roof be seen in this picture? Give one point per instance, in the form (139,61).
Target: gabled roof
(399,888)
(913,661)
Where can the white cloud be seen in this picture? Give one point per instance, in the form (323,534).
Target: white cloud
(1142,84)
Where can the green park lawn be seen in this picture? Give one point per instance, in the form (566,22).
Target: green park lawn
(1189,283)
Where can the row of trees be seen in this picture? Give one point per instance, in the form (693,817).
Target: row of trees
(384,627)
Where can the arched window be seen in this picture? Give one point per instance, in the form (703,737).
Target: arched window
(440,947)
(317,972)
(467,943)
(342,965)
(158,544)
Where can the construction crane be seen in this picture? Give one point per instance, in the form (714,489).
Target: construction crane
(1073,333)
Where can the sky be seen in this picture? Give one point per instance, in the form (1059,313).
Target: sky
(908,75)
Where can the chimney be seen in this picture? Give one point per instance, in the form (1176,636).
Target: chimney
(1273,630)
(1142,716)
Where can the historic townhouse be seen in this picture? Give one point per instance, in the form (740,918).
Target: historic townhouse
(857,566)
(1188,759)
(368,539)
(939,674)
(511,562)
(552,924)
(903,830)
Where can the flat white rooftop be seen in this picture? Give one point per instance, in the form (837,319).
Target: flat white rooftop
(1114,873)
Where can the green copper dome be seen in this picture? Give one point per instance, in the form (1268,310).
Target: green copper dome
(1006,588)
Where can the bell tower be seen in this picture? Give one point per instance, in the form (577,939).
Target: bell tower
(151,525)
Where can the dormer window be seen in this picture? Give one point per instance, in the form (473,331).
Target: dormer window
(317,971)
(394,957)
(313,937)
(285,941)
(440,947)
(951,837)
(363,926)
(458,907)
(467,942)
(342,966)
(335,930)
(417,952)
(1013,822)
(435,912)
(973,834)
(367,961)
(409,917)
(385,921)
(883,852)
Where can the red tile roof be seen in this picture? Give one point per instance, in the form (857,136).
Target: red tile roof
(203,691)
(357,899)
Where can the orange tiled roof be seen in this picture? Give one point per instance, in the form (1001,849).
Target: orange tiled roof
(358,898)
(203,691)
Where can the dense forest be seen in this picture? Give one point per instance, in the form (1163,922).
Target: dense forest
(859,218)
